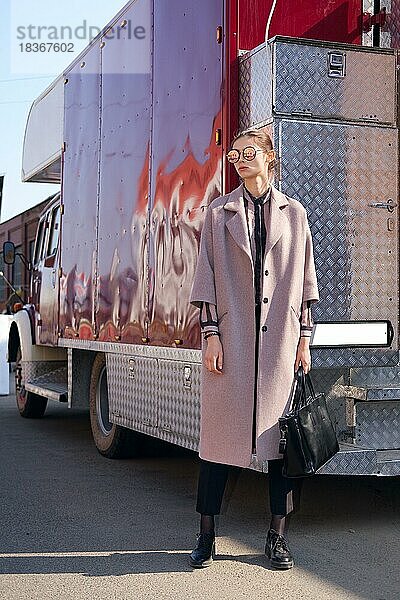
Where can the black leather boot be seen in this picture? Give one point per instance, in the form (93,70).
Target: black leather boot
(277,550)
(204,553)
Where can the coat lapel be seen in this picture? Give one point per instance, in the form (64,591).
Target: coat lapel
(278,221)
(237,226)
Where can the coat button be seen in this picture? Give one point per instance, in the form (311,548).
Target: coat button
(267,272)
(265,300)
(264,328)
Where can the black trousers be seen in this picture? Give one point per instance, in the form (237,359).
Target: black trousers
(284,493)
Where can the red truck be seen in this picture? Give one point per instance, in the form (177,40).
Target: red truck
(135,130)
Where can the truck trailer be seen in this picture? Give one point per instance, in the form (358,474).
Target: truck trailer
(135,131)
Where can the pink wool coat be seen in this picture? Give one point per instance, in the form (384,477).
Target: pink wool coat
(224,277)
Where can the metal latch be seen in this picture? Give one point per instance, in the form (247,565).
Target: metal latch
(390,205)
(187,383)
(131,371)
(336,64)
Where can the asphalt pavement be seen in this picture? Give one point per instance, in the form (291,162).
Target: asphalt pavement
(75,525)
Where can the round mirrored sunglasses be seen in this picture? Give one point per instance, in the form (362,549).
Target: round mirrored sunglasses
(249,153)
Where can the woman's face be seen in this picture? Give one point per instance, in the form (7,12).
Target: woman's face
(258,165)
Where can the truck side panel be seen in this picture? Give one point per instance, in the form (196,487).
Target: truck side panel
(186,162)
(80,193)
(121,312)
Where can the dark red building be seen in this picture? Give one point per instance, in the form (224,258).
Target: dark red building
(21,230)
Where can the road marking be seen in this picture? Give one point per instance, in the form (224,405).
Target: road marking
(111,553)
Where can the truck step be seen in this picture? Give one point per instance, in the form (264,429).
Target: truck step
(357,460)
(372,415)
(52,385)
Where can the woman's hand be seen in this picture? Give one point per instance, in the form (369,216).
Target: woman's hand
(303,355)
(213,355)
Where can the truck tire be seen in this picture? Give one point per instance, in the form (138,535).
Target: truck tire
(30,406)
(111,440)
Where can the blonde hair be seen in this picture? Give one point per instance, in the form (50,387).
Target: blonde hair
(263,139)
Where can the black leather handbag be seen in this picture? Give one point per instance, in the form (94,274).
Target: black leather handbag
(308,438)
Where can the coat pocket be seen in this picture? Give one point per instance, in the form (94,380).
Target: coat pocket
(222,317)
(296,312)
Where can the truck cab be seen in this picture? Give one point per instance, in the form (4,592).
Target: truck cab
(44,280)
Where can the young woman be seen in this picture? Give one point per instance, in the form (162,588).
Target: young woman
(255,282)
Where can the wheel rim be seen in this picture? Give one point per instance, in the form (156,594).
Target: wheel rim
(21,397)
(102,403)
(20,393)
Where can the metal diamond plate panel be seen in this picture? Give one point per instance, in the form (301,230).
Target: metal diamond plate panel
(378,424)
(255,88)
(324,379)
(389,469)
(132,391)
(353,357)
(55,376)
(384,376)
(350,461)
(179,399)
(355,244)
(155,396)
(33,370)
(302,84)
(388,462)
(383,393)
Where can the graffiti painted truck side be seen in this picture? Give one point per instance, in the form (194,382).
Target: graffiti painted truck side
(136,130)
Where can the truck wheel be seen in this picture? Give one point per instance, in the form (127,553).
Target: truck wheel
(30,406)
(111,440)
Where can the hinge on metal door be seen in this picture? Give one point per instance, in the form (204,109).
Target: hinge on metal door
(219,34)
(370,20)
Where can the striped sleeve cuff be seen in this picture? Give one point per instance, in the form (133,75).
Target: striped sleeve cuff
(306,322)
(208,318)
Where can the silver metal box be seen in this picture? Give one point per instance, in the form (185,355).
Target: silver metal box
(297,77)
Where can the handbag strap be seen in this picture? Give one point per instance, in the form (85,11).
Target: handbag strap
(298,390)
(303,380)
